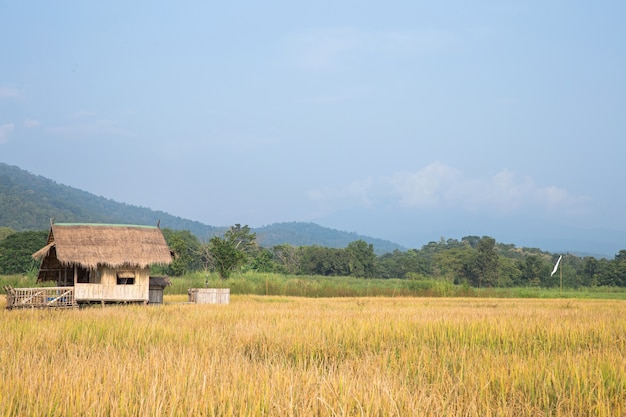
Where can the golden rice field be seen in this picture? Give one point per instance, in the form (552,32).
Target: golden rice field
(273,356)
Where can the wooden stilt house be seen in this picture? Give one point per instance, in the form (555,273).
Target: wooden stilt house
(103,262)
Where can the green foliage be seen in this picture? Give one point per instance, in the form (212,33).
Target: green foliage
(615,273)
(533,271)
(5,232)
(319,260)
(333,286)
(229,253)
(399,264)
(17,281)
(225,258)
(262,262)
(242,238)
(456,264)
(479,262)
(362,259)
(591,270)
(17,249)
(185,246)
(286,258)
(508,273)
(486,263)
(473,241)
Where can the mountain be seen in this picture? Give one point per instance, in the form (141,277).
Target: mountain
(306,234)
(28,202)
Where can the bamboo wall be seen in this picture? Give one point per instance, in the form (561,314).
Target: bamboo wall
(109,290)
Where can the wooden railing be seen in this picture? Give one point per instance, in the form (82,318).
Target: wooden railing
(46,297)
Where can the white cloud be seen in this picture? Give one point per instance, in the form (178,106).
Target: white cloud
(331,98)
(439,186)
(414,42)
(330,47)
(90,128)
(322,48)
(5,130)
(428,187)
(6,92)
(244,142)
(31,123)
(80,114)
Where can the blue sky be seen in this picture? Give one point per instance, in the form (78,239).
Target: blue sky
(406,121)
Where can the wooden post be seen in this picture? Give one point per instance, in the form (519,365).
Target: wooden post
(561,276)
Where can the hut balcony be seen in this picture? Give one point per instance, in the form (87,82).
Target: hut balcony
(46,297)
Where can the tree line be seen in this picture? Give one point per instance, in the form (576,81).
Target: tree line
(474,261)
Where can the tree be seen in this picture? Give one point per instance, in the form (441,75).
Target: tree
(508,272)
(362,259)
(17,249)
(224,256)
(389,265)
(486,262)
(616,270)
(242,238)
(263,261)
(591,270)
(288,258)
(5,232)
(186,247)
(471,240)
(320,260)
(456,265)
(229,253)
(532,271)
(398,264)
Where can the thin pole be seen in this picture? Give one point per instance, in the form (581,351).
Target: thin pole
(561,276)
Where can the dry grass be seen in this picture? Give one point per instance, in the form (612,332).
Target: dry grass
(300,357)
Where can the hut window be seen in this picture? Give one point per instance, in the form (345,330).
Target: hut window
(125,278)
(87,276)
(82,275)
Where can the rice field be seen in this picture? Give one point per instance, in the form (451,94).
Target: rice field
(289,356)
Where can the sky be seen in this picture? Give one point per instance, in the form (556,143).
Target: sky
(402,120)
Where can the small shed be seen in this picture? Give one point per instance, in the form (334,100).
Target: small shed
(209,295)
(103,262)
(157,285)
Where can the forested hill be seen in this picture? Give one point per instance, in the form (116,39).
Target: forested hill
(28,202)
(308,234)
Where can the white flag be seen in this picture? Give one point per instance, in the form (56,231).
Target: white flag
(556,266)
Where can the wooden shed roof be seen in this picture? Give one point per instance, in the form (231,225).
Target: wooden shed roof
(112,245)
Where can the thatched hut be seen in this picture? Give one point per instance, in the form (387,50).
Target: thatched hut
(103,262)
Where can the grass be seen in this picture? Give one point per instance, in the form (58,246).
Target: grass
(319,286)
(18,281)
(296,356)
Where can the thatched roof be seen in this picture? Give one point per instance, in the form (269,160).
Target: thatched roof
(115,246)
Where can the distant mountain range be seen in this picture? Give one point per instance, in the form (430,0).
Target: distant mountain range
(29,202)
(307,234)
